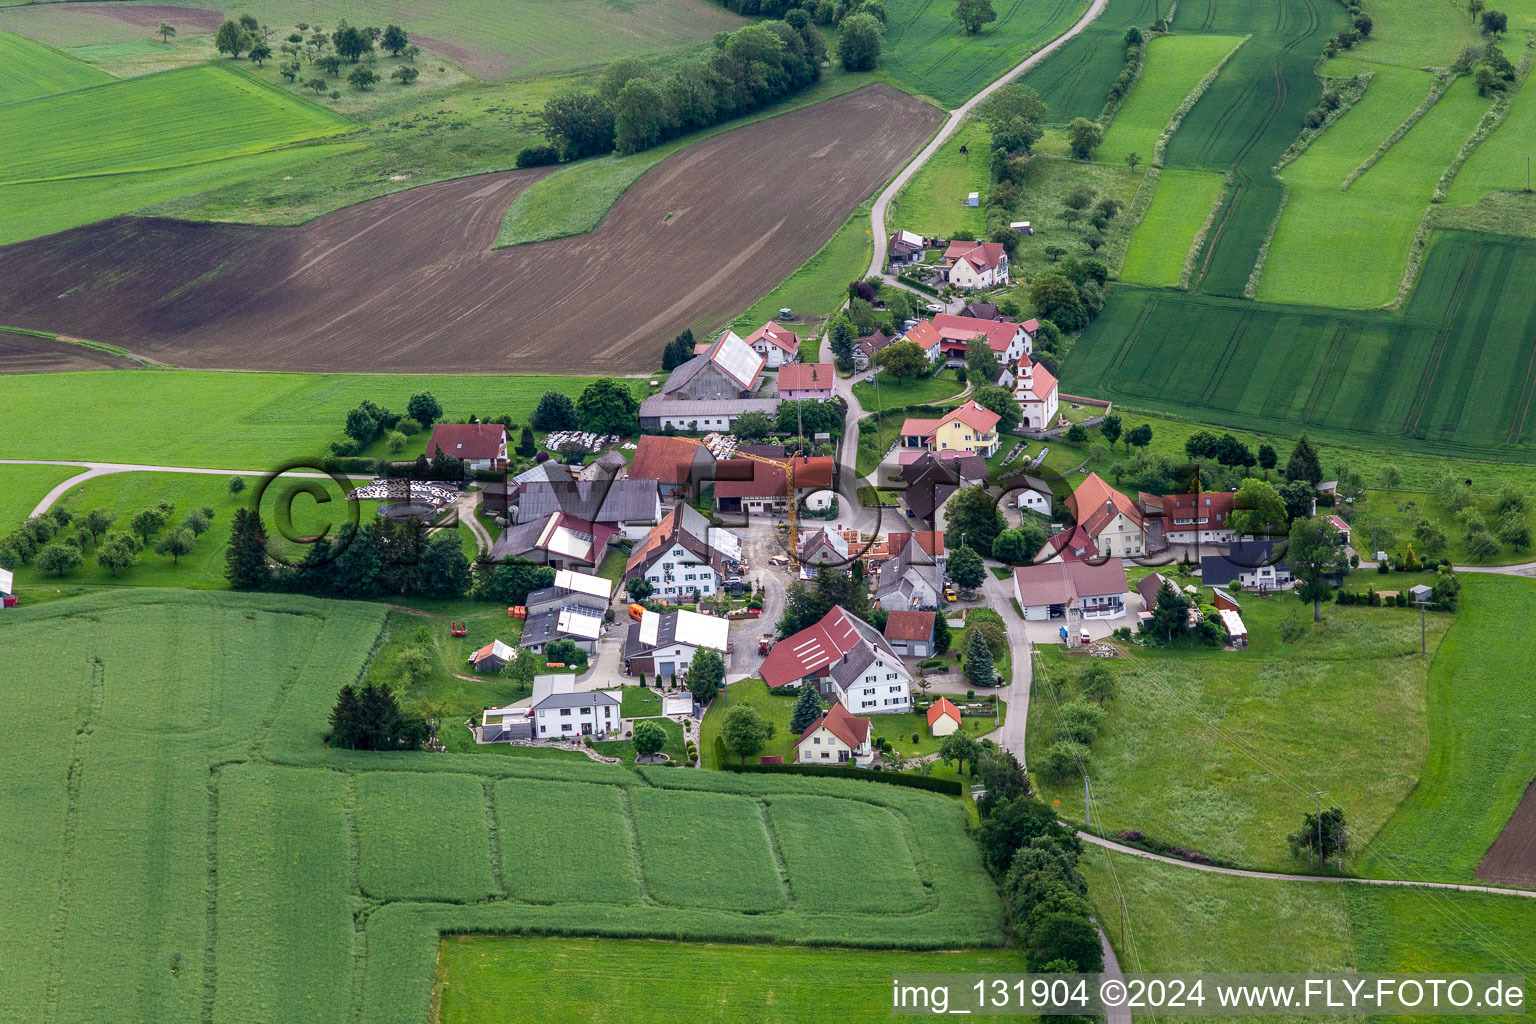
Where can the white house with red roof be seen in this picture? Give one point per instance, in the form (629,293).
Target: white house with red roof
(1111,520)
(837,737)
(947,337)
(806,381)
(845,658)
(1047,590)
(775,343)
(970,264)
(966,428)
(1034,388)
(1191,518)
(480,446)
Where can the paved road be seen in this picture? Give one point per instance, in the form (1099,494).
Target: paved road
(999,597)
(95,469)
(1110,844)
(883,201)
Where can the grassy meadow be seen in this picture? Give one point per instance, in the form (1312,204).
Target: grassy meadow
(22,487)
(1074,81)
(29,69)
(753,692)
(1216,750)
(932,204)
(1160,246)
(937,390)
(275,866)
(1175,65)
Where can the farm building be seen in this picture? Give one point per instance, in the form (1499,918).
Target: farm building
(1251,563)
(572,609)
(845,658)
(1031,494)
(981,311)
(968,428)
(559,711)
(481,446)
(664,644)
(912,576)
(630,506)
(943,717)
(776,344)
(677,464)
(727,369)
(910,633)
(493,657)
(947,337)
(683,554)
(905,247)
(751,486)
(1188,518)
(837,737)
(824,546)
(1110,519)
(1050,589)
(806,381)
(970,265)
(659,412)
(1034,389)
(559,540)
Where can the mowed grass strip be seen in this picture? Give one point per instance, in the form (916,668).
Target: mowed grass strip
(706,850)
(486,979)
(423,837)
(933,202)
(165,120)
(887,880)
(284,938)
(1180,207)
(1174,66)
(540,824)
(29,69)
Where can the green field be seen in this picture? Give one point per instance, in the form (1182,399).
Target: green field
(893,395)
(238,421)
(170,120)
(1174,66)
(1348,248)
(169,748)
(1074,81)
(1418,33)
(1413,382)
(1499,163)
(1160,245)
(485,979)
(1216,751)
(22,487)
(927,51)
(1482,753)
(29,69)
(819,287)
(1047,181)
(753,692)
(932,204)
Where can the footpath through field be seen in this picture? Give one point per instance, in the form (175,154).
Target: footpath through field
(883,201)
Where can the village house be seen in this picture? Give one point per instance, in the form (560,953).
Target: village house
(943,718)
(493,657)
(1252,564)
(971,265)
(559,711)
(776,344)
(1110,519)
(912,575)
(1031,494)
(1070,545)
(931,478)
(905,247)
(631,506)
(559,540)
(1148,588)
(967,428)
(501,725)
(806,381)
(1047,590)
(663,645)
(608,466)
(750,486)
(1035,390)
(837,737)
(683,554)
(848,660)
(910,633)
(948,337)
(824,546)
(864,349)
(572,609)
(978,310)
(482,447)
(677,464)
(1188,518)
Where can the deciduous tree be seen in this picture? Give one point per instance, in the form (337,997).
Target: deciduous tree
(1314,554)
(745,731)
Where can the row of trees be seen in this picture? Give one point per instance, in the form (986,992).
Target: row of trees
(43,541)
(635,106)
(378,559)
(605,406)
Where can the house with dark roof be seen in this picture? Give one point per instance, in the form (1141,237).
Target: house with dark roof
(824,546)
(845,658)
(981,311)
(608,466)
(864,348)
(932,478)
(1030,494)
(1048,590)
(559,540)
(971,265)
(663,644)
(837,737)
(677,464)
(910,633)
(630,505)
(806,382)
(1110,519)
(660,412)
(482,447)
(1252,564)
(775,343)
(683,554)
(905,247)
(1070,545)
(560,712)
(572,609)
(912,576)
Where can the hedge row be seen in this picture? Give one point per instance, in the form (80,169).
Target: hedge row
(950,787)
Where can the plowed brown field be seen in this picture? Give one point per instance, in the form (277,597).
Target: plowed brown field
(1511,860)
(409,282)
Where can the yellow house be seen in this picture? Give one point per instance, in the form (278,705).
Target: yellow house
(969,428)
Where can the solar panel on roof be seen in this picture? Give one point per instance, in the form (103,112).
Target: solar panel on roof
(737,358)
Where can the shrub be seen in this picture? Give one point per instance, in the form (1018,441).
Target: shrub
(951,787)
(538,156)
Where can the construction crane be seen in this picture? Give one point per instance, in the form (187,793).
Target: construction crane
(793,511)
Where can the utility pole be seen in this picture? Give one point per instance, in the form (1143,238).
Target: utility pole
(1122,919)
(1087,802)
(1317,851)
(1422,630)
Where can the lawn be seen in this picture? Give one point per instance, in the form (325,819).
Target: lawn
(893,394)
(900,729)
(22,487)
(1174,68)
(29,69)
(251,422)
(1216,751)
(482,979)
(1181,207)
(933,202)
(1482,752)
(1390,518)
(1447,377)
(170,747)
(753,692)
(1349,248)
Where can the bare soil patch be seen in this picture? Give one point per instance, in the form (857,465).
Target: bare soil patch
(188,20)
(409,282)
(1511,860)
(22,353)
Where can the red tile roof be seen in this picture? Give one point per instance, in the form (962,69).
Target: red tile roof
(806,377)
(1211,506)
(786,340)
(977,417)
(909,625)
(1094,504)
(469,440)
(851,729)
(980,255)
(811,650)
(929,541)
(941,707)
(957,331)
(668,459)
(749,478)
(1061,582)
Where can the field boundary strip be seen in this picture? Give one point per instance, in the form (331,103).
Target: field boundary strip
(1160,149)
(1210,246)
(1438,87)
(1197,244)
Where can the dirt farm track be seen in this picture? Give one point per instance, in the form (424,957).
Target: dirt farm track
(409,282)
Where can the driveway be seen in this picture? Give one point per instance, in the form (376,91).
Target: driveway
(759,542)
